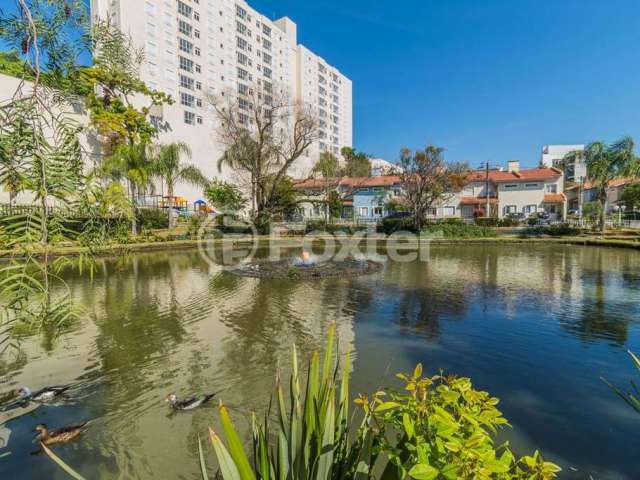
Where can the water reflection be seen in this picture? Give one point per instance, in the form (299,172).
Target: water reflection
(535,325)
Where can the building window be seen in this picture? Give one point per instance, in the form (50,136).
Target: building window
(267,72)
(242,43)
(449,211)
(189,118)
(241,12)
(199,120)
(186,82)
(243,89)
(266,30)
(363,211)
(186,64)
(529,209)
(184,28)
(432,212)
(184,9)
(241,28)
(552,188)
(185,45)
(243,74)
(243,59)
(508,209)
(266,44)
(510,186)
(531,185)
(266,58)
(187,100)
(377,211)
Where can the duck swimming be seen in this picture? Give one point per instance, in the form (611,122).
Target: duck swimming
(45,394)
(62,435)
(189,403)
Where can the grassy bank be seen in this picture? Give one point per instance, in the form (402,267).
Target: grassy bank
(293,241)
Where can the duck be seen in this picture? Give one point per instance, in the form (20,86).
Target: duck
(188,403)
(43,395)
(62,435)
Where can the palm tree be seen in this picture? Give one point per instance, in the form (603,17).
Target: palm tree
(131,163)
(171,170)
(605,163)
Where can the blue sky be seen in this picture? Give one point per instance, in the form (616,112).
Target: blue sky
(486,79)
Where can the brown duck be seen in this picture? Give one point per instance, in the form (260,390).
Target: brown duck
(62,435)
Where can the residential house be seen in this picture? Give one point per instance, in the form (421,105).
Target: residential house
(586,192)
(503,192)
(514,191)
(363,198)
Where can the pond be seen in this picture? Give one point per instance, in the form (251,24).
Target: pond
(536,326)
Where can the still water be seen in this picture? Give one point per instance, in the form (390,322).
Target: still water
(536,326)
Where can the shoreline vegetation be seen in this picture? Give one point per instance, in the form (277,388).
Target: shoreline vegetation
(294,240)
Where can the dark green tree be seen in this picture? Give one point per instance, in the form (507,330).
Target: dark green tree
(356,164)
(605,163)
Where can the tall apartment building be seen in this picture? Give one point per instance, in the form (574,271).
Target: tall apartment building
(553,156)
(196,48)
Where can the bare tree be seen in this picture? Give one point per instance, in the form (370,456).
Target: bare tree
(427,180)
(264,133)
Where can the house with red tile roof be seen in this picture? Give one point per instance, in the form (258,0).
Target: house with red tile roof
(585,192)
(503,192)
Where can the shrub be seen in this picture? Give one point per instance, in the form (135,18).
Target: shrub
(459,230)
(441,427)
(152,218)
(391,225)
(438,428)
(557,230)
(497,222)
(322,226)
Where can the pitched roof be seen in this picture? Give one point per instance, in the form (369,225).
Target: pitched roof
(380,181)
(554,197)
(351,182)
(615,183)
(478,200)
(314,183)
(525,175)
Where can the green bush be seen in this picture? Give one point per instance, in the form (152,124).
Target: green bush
(497,222)
(437,428)
(557,230)
(391,225)
(152,218)
(459,230)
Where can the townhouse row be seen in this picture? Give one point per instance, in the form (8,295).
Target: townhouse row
(498,193)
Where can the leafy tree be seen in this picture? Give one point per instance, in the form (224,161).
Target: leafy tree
(36,127)
(112,83)
(631,197)
(328,167)
(264,134)
(356,164)
(13,65)
(605,163)
(132,164)
(171,170)
(427,180)
(225,196)
(16,147)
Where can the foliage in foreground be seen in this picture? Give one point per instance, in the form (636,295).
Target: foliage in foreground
(437,428)
(632,397)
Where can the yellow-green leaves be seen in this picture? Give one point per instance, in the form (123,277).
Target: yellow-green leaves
(423,471)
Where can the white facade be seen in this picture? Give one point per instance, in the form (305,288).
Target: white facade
(552,155)
(194,48)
